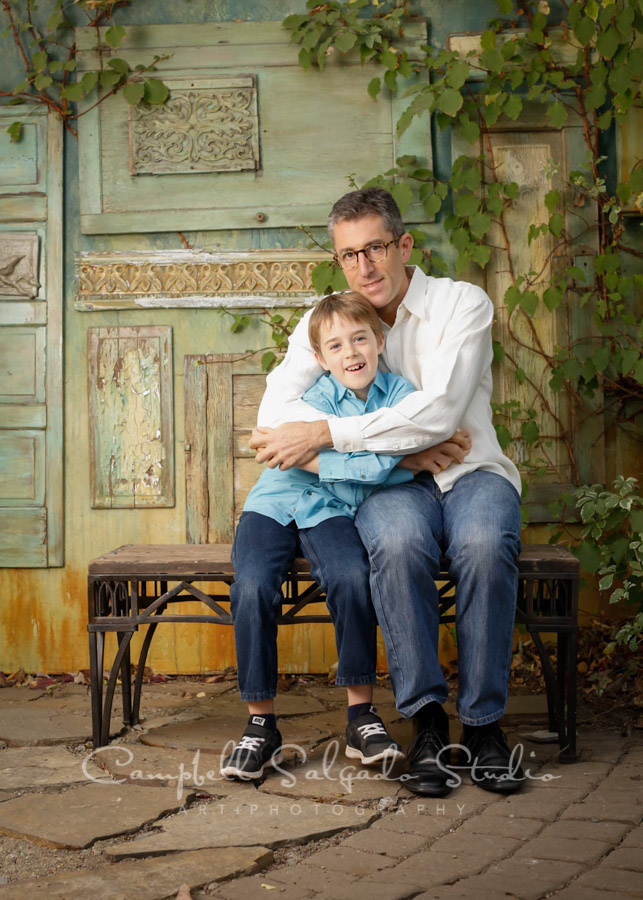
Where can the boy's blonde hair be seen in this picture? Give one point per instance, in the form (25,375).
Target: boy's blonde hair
(348,305)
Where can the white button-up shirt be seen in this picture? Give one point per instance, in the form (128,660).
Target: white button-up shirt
(441,342)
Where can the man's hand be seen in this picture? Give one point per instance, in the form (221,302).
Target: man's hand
(437,459)
(291,445)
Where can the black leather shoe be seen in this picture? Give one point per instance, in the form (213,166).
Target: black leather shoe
(428,761)
(491,763)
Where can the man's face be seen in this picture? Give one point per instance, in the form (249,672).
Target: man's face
(349,351)
(383,283)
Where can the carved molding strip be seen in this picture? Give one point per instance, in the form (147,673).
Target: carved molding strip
(189,278)
(207,125)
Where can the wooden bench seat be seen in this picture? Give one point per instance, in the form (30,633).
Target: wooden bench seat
(138,586)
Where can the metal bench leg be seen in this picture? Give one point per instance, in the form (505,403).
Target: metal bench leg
(123,649)
(555,702)
(96,650)
(140,668)
(568,753)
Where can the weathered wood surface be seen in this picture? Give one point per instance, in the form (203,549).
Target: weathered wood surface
(31,311)
(131,416)
(188,560)
(222,395)
(296,110)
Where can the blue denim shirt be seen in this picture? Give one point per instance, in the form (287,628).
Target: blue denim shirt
(345,479)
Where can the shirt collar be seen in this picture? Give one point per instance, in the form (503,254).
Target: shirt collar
(329,384)
(413,300)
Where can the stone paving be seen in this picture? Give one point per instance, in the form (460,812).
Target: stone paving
(149,817)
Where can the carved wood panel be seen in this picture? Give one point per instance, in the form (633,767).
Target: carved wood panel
(207,125)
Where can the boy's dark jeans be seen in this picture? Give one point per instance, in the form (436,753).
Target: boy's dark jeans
(262,552)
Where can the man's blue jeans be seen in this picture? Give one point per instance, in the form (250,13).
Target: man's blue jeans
(476,527)
(262,553)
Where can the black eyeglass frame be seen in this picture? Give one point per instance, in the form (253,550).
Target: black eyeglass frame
(364,250)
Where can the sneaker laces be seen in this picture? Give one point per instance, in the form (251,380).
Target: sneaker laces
(249,743)
(372,729)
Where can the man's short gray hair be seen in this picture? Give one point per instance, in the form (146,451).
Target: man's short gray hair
(373,201)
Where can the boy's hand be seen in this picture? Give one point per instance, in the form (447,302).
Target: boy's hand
(437,459)
(291,445)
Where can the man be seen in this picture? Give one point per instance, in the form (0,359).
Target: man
(438,335)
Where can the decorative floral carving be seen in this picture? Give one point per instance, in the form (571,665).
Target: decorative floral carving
(200,129)
(178,278)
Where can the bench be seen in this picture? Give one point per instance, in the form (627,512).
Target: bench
(138,586)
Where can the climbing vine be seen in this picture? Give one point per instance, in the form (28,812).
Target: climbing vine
(47,51)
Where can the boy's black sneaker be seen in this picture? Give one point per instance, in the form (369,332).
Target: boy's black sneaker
(368,740)
(259,747)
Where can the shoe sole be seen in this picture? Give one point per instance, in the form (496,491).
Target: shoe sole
(425,791)
(354,753)
(234,772)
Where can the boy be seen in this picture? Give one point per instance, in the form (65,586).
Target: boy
(312,510)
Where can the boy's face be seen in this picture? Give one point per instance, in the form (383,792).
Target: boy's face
(383,283)
(349,351)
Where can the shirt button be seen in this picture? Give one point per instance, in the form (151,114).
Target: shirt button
(310,493)
(362,477)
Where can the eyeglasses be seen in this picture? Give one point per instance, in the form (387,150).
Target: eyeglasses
(375,252)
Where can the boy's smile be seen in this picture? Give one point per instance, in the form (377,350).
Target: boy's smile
(350,351)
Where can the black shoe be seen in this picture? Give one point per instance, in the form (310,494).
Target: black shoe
(428,761)
(368,740)
(490,760)
(259,747)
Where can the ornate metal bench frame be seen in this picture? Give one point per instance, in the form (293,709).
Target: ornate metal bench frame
(136,586)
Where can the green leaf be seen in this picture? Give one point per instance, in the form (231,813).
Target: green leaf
(119,65)
(467,204)
(513,107)
(15,132)
(89,81)
(39,60)
(267,361)
(133,92)
(109,78)
(552,298)
(322,276)
(305,58)
(54,21)
(114,36)
(488,40)
(601,358)
(70,65)
(557,114)
(529,302)
(608,43)
(42,81)
(155,91)
(512,297)
(470,131)
(345,41)
(374,87)
(449,101)
(552,199)
(432,205)
(584,31)
(589,556)
(388,59)
(457,74)
(511,190)
(530,431)
(498,351)
(556,223)
(402,194)
(492,60)
(504,436)
(480,254)
(479,223)
(73,92)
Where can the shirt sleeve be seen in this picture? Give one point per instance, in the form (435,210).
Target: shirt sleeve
(370,468)
(286,384)
(449,376)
